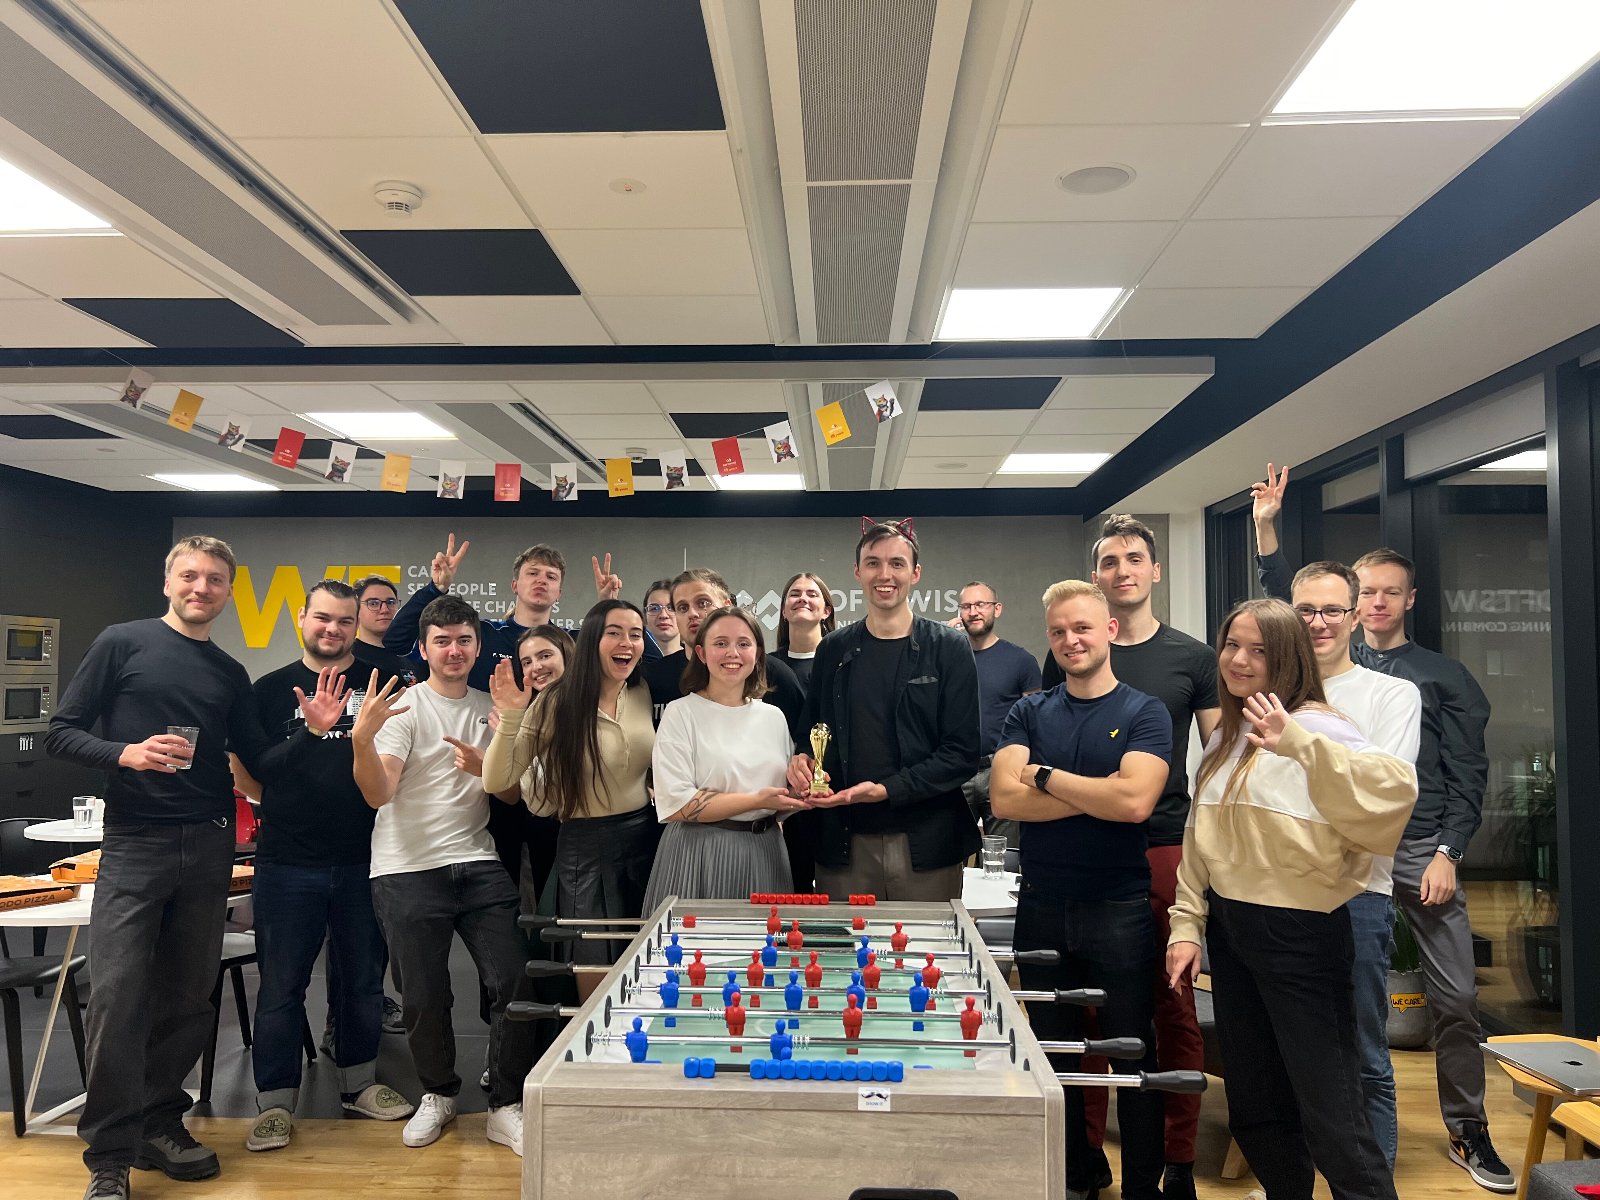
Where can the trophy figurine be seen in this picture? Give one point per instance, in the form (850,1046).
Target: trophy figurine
(820,737)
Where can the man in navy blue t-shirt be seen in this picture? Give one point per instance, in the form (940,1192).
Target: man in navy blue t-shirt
(1081,767)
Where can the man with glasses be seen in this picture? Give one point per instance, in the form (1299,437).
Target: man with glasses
(1006,673)
(1452,772)
(377,600)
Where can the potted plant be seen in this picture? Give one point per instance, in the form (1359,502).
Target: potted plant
(1410,1023)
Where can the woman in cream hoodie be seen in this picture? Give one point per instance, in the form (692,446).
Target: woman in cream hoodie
(1290,806)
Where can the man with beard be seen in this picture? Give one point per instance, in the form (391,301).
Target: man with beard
(1006,673)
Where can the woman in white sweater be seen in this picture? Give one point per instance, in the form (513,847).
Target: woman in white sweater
(719,765)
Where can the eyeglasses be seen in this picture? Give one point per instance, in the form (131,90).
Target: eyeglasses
(975,606)
(653,609)
(375,605)
(1331,614)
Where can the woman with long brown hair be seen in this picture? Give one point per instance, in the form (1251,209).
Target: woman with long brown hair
(1291,804)
(806,617)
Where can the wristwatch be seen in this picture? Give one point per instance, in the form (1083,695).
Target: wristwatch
(1041,778)
(1450,852)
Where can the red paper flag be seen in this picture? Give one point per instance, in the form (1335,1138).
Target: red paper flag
(508,481)
(287,451)
(725,451)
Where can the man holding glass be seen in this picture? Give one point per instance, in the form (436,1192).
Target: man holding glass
(166,859)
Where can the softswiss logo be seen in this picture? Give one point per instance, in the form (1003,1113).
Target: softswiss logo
(768,609)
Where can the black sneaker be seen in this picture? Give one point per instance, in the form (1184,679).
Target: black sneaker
(177,1155)
(1475,1152)
(1098,1173)
(1178,1182)
(108,1183)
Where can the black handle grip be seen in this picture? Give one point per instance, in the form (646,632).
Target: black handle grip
(1082,997)
(544,968)
(559,933)
(1040,958)
(536,920)
(1124,1047)
(527,1010)
(1191,1082)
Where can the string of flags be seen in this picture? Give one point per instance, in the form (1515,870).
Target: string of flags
(727,458)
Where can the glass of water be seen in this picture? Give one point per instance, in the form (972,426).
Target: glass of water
(190,734)
(994,856)
(83,811)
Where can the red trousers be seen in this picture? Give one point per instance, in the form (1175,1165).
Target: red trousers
(1178,1043)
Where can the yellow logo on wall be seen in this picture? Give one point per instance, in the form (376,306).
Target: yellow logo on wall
(287,590)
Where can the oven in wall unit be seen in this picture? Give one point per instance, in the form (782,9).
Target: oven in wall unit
(26,702)
(31,645)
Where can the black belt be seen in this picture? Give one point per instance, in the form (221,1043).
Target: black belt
(759,825)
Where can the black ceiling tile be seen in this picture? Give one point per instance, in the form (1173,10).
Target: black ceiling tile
(466,262)
(651,467)
(28,427)
(186,322)
(314,450)
(573,66)
(721,425)
(972,395)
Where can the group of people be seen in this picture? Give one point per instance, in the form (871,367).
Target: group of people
(425,774)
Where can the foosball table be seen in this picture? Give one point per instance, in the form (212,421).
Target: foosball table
(800,1048)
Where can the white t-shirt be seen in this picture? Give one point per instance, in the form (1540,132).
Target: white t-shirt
(439,815)
(705,744)
(1388,712)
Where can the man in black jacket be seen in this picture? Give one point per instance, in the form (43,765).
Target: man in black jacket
(899,695)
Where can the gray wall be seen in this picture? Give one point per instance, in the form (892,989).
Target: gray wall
(1020,556)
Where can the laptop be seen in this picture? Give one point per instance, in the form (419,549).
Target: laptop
(1569,1066)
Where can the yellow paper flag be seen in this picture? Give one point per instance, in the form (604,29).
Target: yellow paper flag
(619,476)
(184,410)
(834,427)
(396,472)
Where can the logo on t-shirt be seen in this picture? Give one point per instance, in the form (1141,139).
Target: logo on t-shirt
(1116,731)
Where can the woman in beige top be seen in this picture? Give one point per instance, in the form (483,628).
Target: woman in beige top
(590,732)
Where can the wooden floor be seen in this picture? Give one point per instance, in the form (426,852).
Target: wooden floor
(364,1160)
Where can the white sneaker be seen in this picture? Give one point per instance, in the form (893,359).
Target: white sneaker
(433,1114)
(505,1126)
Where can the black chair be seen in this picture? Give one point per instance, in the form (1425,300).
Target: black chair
(18,973)
(19,856)
(238,952)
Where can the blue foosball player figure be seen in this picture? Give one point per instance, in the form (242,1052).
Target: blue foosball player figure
(637,1041)
(674,952)
(729,988)
(863,950)
(669,996)
(857,990)
(919,1001)
(793,997)
(781,1043)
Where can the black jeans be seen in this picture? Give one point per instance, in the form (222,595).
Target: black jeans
(1281,980)
(1108,944)
(420,912)
(157,915)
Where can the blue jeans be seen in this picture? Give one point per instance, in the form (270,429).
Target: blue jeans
(1372,931)
(295,908)
(1108,944)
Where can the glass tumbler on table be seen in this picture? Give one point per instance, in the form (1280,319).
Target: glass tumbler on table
(994,856)
(83,811)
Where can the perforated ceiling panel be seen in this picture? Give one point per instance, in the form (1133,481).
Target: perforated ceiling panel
(50,106)
(850,462)
(856,235)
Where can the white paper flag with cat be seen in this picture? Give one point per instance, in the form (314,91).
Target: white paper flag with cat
(341,458)
(452,480)
(563,481)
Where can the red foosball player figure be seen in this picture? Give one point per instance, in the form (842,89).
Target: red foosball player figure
(852,1021)
(734,1015)
(931,974)
(774,924)
(899,939)
(971,1022)
(755,972)
(795,939)
(871,976)
(813,979)
(697,978)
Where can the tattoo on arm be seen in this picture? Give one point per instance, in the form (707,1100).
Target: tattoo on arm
(698,803)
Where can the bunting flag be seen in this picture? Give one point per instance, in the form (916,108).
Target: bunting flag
(830,417)
(341,457)
(725,453)
(287,452)
(780,442)
(184,410)
(885,404)
(508,482)
(234,433)
(674,472)
(452,480)
(563,481)
(396,472)
(619,477)
(133,390)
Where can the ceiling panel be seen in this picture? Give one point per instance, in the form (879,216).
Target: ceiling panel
(923,446)
(93,266)
(10,289)
(615,181)
(221,401)
(1075,442)
(517,320)
(558,399)
(1123,391)
(443,393)
(1202,312)
(335,178)
(1380,168)
(1171,166)
(292,68)
(327,397)
(641,428)
(465,262)
(184,321)
(697,396)
(658,262)
(684,320)
(961,424)
(1284,253)
(44,323)
(1081,254)
(1093,420)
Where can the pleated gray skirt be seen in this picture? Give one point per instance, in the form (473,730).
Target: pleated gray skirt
(705,862)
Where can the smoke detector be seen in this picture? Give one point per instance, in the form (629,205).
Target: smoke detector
(636,453)
(397,198)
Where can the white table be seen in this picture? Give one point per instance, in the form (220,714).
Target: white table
(989,897)
(66,830)
(70,915)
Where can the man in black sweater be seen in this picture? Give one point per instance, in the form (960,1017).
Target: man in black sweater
(899,694)
(165,862)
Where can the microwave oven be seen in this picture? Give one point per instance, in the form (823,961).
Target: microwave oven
(26,703)
(30,645)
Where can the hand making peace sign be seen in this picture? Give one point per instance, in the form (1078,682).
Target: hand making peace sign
(445,564)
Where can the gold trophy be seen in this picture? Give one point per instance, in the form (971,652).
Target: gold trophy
(820,737)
